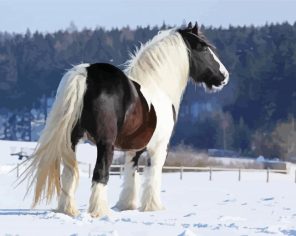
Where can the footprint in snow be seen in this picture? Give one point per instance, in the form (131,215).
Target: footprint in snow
(200,225)
(268,199)
(105,218)
(148,223)
(232,226)
(126,219)
(227,201)
(291,232)
(186,225)
(286,209)
(190,214)
(187,232)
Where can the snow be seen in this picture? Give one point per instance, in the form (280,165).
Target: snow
(194,205)
(260,159)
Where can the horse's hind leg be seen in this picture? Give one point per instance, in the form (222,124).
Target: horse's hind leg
(98,203)
(128,198)
(105,135)
(69,179)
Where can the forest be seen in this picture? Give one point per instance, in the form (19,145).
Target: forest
(254,115)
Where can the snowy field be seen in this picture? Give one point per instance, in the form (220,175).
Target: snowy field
(194,205)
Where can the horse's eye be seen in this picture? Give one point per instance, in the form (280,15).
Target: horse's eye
(200,47)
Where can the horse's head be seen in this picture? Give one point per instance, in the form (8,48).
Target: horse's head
(205,66)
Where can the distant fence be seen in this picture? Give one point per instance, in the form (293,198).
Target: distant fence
(119,169)
(21,152)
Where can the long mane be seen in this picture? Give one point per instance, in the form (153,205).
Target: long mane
(161,64)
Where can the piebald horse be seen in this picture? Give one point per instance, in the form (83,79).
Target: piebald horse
(133,111)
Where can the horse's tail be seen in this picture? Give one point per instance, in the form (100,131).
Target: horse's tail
(54,146)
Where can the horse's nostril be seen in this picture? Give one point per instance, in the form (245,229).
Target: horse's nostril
(224,81)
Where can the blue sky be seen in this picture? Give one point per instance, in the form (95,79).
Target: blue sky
(51,15)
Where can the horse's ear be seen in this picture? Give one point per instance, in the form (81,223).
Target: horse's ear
(189,25)
(195,29)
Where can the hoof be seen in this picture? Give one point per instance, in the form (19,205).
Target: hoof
(69,212)
(125,207)
(152,207)
(99,214)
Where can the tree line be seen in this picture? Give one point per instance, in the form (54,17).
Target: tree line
(246,116)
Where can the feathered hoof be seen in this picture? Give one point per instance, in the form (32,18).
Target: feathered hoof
(152,207)
(100,210)
(70,212)
(125,206)
(73,213)
(99,214)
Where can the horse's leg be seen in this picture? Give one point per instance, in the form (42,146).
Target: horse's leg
(157,152)
(128,198)
(98,203)
(150,200)
(104,132)
(69,180)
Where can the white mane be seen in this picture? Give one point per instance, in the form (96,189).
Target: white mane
(161,65)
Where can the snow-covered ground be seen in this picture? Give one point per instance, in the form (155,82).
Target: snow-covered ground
(194,205)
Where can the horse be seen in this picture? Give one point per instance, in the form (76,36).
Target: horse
(134,110)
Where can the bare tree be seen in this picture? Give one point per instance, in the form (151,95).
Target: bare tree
(285,135)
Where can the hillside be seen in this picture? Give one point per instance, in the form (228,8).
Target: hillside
(244,116)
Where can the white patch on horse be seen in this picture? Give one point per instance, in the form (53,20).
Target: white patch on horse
(161,66)
(66,202)
(222,68)
(128,199)
(157,151)
(98,202)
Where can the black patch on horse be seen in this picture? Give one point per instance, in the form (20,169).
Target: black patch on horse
(137,157)
(115,115)
(174,113)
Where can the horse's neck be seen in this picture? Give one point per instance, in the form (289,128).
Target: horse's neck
(173,90)
(162,68)
(171,81)
(177,93)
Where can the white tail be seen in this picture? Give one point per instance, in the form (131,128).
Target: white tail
(54,146)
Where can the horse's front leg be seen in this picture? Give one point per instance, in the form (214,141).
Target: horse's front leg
(128,198)
(98,203)
(150,200)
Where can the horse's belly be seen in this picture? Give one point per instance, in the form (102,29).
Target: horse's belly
(136,141)
(139,138)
